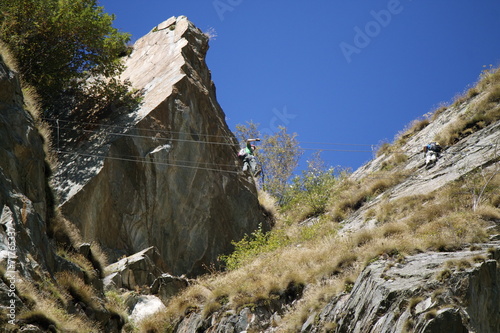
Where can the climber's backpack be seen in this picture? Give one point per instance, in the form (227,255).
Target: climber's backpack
(242,153)
(433,146)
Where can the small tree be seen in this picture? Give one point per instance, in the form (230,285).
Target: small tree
(65,49)
(278,156)
(312,190)
(248,131)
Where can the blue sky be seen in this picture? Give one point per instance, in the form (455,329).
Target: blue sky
(346,72)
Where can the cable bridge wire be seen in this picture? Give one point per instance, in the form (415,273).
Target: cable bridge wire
(210,142)
(209,166)
(111,131)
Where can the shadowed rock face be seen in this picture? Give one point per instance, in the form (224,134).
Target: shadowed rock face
(165,175)
(23,209)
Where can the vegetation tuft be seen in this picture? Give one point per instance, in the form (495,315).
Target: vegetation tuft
(483,111)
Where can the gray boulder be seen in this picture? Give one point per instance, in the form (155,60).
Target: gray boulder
(138,270)
(166,286)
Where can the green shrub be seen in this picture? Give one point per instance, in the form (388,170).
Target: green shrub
(310,192)
(253,245)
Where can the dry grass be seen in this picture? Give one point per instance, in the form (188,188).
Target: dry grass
(394,161)
(413,303)
(79,260)
(98,258)
(327,264)
(385,148)
(78,290)
(410,130)
(268,202)
(7,57)
(489,213)
(393,229)
(40,319)
(63,231)
(483,111)
(489,78)
(50,312)
(355,195)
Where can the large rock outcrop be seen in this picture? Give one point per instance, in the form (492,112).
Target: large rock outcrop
(165,175)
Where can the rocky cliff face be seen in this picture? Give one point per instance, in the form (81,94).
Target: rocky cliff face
(24,244)
(165,175)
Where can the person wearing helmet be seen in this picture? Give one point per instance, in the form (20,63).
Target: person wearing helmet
(249,161)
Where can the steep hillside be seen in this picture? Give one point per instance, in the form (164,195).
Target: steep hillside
(477,151)
(395,247)
(23,185)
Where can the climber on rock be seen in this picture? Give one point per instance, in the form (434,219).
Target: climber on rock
(432,152)
(246,154)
